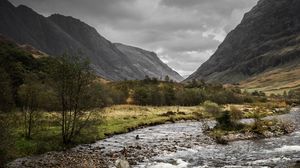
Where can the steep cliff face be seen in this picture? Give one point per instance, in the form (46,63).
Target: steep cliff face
(58,34)
(148,62)
(267,37)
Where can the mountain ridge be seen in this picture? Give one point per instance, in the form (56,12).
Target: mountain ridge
(58,34)
(159,69)
(268,36)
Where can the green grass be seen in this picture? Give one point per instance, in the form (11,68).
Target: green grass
(106,122)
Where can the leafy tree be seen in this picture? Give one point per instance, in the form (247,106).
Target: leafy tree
(190,96)
(169,94)
(140,96)
(6,97)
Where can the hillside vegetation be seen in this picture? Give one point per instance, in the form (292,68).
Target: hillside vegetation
(275,81)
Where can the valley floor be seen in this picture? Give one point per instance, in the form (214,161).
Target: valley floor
(182,144)
(111,121)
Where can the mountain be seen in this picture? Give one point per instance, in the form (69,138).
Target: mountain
(277,80)
(58,34)
(148,62)
(267,38)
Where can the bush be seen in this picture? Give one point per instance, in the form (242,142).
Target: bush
(5,139)
(226,122)
(235,113)
(212,108)
(218,136)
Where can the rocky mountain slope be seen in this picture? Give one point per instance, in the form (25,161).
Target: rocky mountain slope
(148,62)
(58,34)
(268,37)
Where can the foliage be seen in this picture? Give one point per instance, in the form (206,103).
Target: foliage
(227,122)
(6,97)
(72,80)
(212,108)
(6,144)
(235,113)
(33,98)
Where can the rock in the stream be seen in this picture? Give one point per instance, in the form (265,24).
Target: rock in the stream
(122,163)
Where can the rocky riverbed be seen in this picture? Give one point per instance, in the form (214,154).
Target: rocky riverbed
(175,145)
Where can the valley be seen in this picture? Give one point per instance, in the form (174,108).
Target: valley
(72,95)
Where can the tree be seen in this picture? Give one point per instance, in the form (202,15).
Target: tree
(72,80)
(140,96)
(167,78)
(6,97)
(31,95)
(169,94)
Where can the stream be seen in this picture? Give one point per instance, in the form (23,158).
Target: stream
(177,145)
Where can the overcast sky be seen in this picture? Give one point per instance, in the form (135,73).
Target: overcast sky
(184,33)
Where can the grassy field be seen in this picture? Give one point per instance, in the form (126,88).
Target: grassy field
(105,122)
(123,118)
(110,121)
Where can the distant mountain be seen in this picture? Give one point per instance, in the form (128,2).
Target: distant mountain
(58,34)
(268,37)
(148,62)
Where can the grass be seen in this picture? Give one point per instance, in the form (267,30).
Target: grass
(228,126)
(123,118)
(106,122)
(274,81)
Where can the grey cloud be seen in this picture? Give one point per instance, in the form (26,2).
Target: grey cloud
(104,9)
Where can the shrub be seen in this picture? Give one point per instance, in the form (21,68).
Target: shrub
(226,122)
(218,136)
(6,139)
(235,113)
(212,108)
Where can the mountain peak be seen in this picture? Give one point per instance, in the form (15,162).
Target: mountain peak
(59,16)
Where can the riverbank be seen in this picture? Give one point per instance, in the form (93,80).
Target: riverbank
(111,121)
(253,129)
(174,145)
(106,122)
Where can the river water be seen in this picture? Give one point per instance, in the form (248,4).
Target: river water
(182,145)
(274,152)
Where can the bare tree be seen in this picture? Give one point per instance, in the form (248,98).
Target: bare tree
(73,79)
(31,96)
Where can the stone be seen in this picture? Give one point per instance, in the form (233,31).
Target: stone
(122,163)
